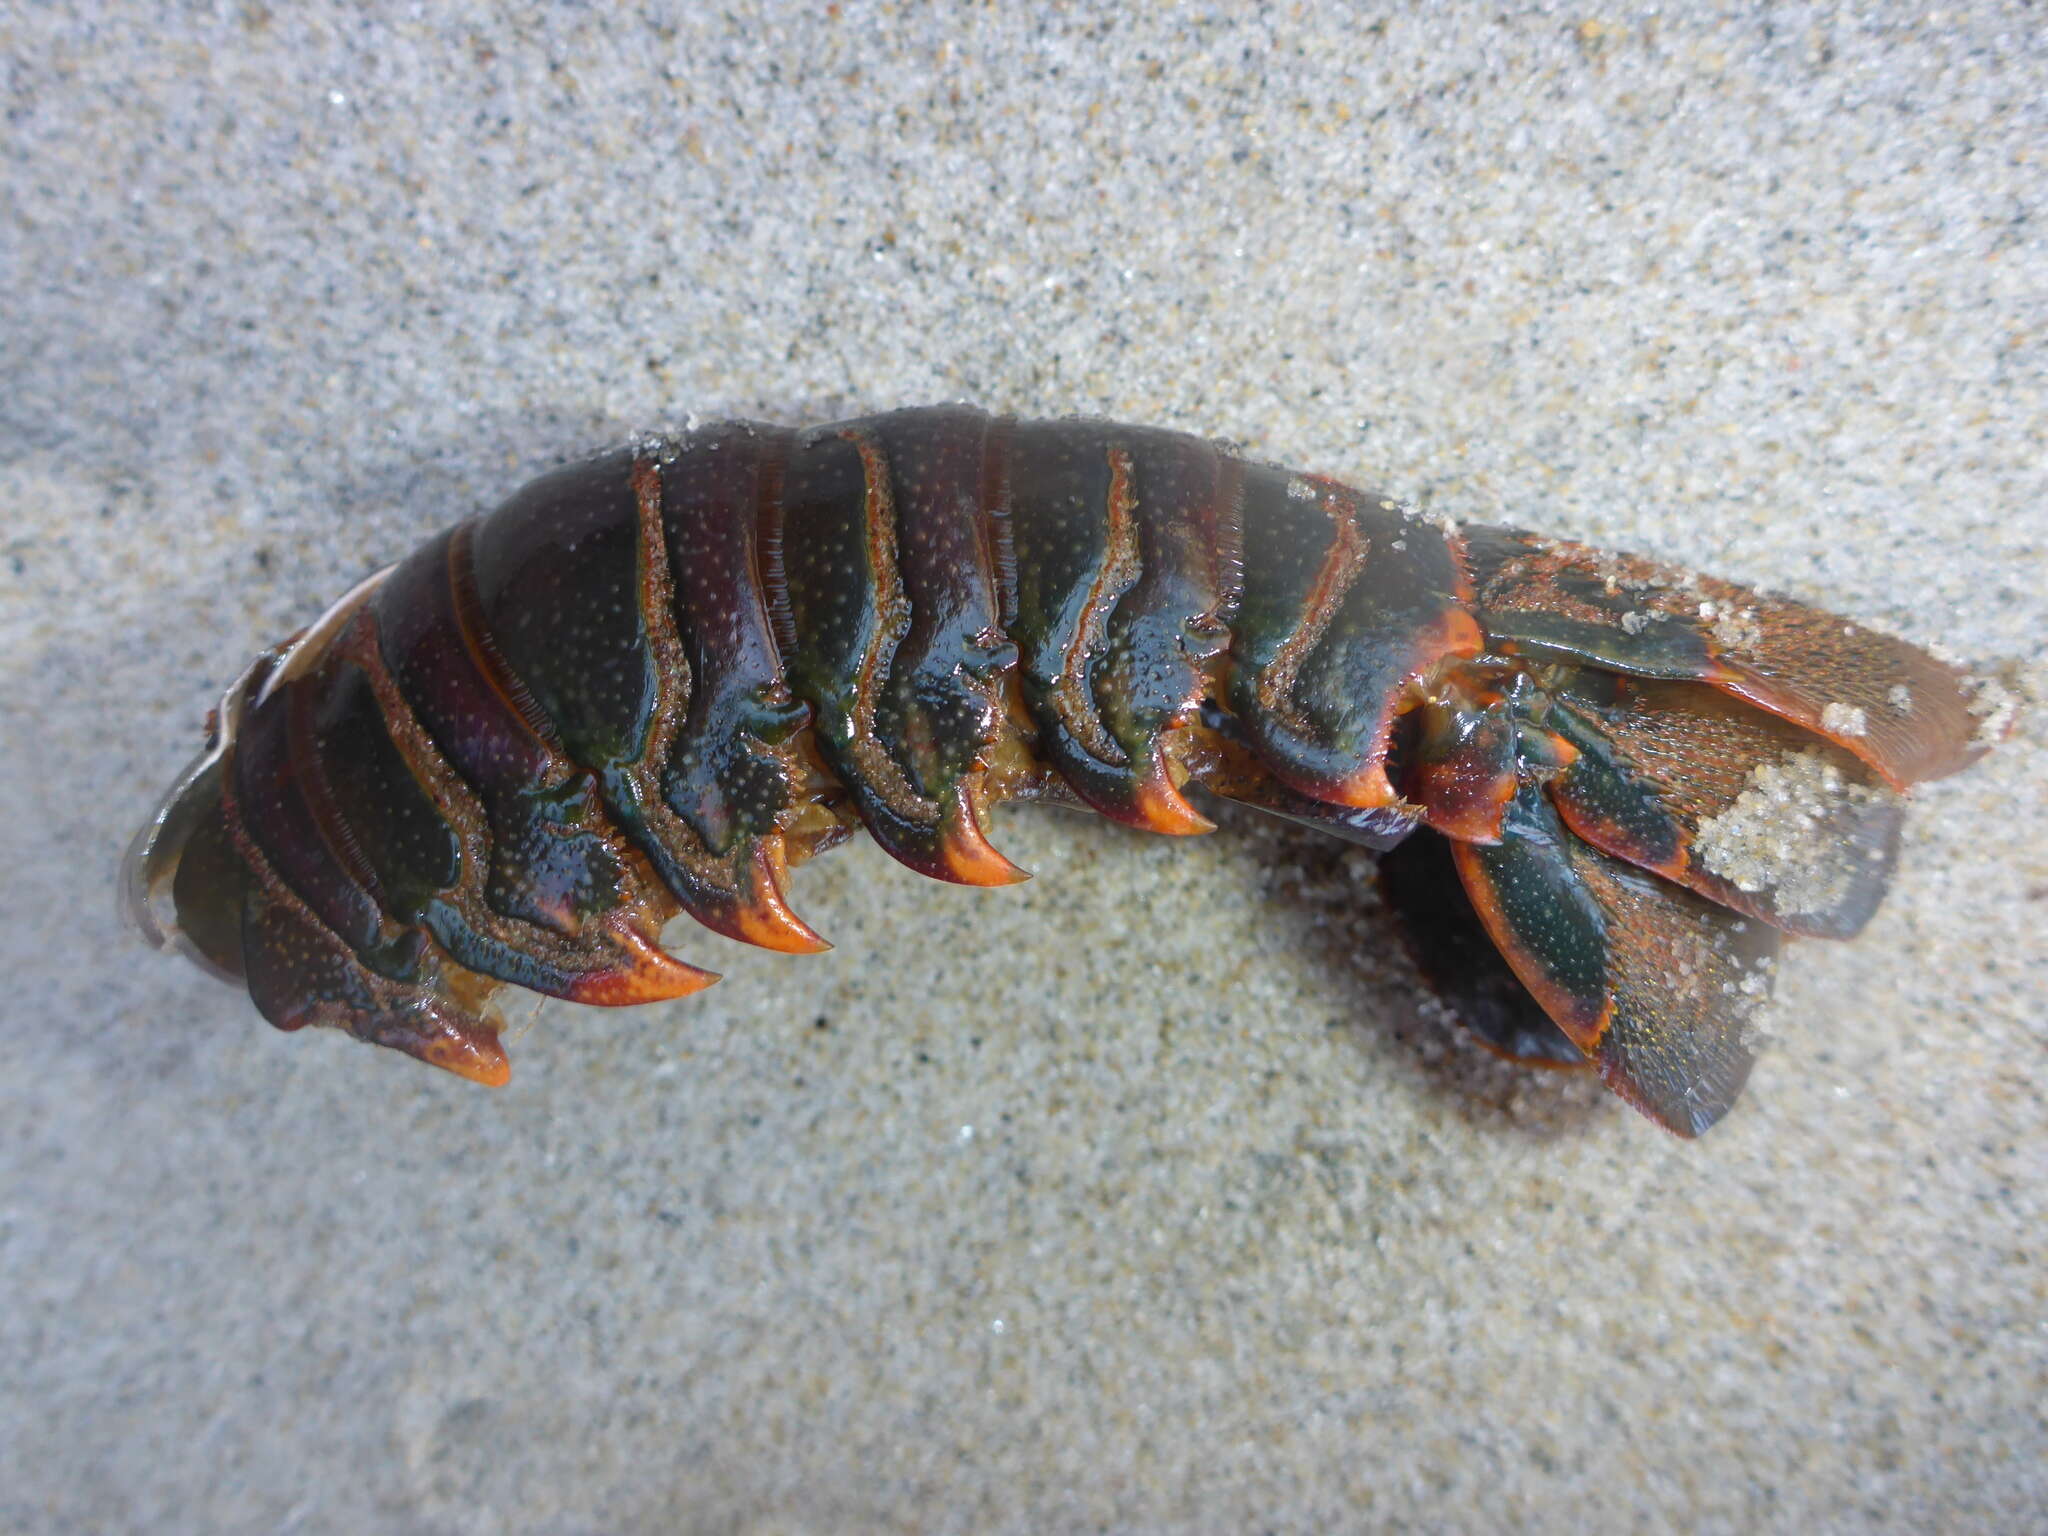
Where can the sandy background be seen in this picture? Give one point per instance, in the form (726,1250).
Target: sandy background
(1150,1195)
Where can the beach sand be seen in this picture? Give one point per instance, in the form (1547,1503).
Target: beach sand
(1154,1194)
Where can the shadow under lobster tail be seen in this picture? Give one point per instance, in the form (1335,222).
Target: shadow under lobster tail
(1646,780)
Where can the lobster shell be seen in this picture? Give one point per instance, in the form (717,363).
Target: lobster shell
(650,683)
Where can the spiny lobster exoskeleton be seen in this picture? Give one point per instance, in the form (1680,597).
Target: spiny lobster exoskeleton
(653,681)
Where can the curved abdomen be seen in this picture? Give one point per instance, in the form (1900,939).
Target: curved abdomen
(650,682)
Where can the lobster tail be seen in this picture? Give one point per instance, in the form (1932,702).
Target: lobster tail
(648,684)
(1649,777)
(1907,715)
(1657,987)
(1736,805)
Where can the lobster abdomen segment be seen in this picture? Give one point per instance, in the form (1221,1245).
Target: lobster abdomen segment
(650,682)
(1124,556)
(1347,601)
(891,627)
(727,765)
